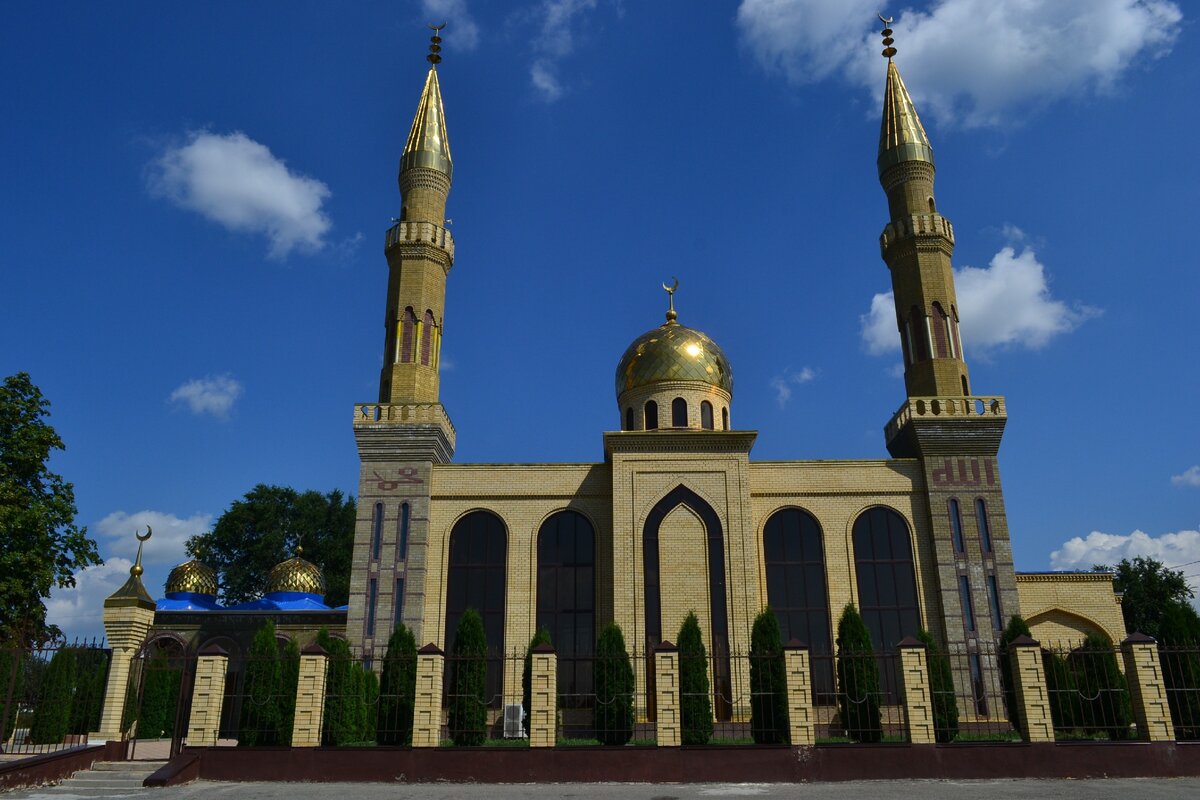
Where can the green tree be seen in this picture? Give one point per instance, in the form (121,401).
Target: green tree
(1105,697)
(40,546)
(91,673)
(342,696)
(264,528)
(541,637)
(768,682)
(289,671)
(468,681)
(858,679)
(260,701)
(398,689)
(52,711)
(1066,712)
(614,688)
(1016,627)
(160,693)
(370,704)
(695,705)
(941,686)
(1180,657)
(12,688)
(1147,590)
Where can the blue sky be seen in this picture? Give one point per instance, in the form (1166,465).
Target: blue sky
(195,199)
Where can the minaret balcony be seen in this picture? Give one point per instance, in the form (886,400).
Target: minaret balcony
(945,408)
(420,233)
(402,414)
(933,224)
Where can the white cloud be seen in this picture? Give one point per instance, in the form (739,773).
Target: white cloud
(1180,547)
(555,42)
(1189,477)
(210,395)
(784,382)
(970,62)
(78,610)
(165,546)
(1006,304)
(238,183)
(461,31)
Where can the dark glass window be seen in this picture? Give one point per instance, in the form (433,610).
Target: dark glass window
(980,696)
(920,342)
(994,600)
(398,600)
(940,331)
(968,607)
(377,531)
(408,331)
(402,546)
(724,419)
(372,599)
(629,419)
(651,415)
(956,526)
(706,415)
(566,602)
(475,579)
(985,532)
(679,413)
(887,584)
(795,561)
(427,333)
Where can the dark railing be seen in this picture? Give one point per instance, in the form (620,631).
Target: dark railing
(1181,674)
(1088,695)
(51,697)
(867,705)
(968,692)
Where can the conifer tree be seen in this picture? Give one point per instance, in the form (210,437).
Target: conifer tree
(91,671)
(468,681)
(768,681)
(370,705)
(12,687)
(339,715)
(695,705)
(289,670)
(260,703)
(52,713)
(160,692)
(1107,708)
(1016,627)
(1179,652)
(398,689)
(858,679)
(614,688)
(941,687)
(541,637)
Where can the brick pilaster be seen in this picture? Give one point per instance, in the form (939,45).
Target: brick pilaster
(208,694)
(918,696)
(310,697)
(543,697)
(669,731)
(1033,698)
(801,722)
(1147,689)
(427,705)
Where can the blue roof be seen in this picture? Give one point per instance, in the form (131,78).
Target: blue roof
(188,601)
(284,601)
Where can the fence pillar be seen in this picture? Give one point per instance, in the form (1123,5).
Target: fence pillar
(543,697)
(127,619)
(427,705)
(208,695)
(310,696)
(918,695)
(1033,696)
(798,674)
(669,730)
(1147,688)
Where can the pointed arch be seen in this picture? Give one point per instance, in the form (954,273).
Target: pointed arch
(428,331)
(941,332)
(408,330)
(566,598)
(475,578)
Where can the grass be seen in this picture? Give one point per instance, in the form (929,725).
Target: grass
(491,743)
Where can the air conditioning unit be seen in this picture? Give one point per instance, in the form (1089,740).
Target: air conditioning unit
(514,721)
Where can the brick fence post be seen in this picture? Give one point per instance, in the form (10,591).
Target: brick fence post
(669,729)
(1033,696)
(543,697)
(208,695)
(798,674)
(1147,689)
(427,705)
(310,697)
(918,695)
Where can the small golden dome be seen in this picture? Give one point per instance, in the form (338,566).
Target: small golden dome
(296,575)
(193,576)
(673,352)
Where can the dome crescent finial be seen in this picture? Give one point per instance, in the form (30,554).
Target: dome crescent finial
(670,290)
(886,33)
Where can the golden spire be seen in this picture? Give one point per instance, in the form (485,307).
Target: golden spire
(901,136)
(133,592)
(670,290)
(428,145)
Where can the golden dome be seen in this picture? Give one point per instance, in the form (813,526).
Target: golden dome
(673,352)
(192,576)
(296,575)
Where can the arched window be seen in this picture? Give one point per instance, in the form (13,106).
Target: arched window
(679,413)
(566,602)
(403,213)
(887,584)
(966,388)
(724,419)
(795,561)
(932,206)
(920,340)
(956,533)
(391,335)
(377,531)
(428,331)
(475,579)
(941,332)
(402,538)
(985,530)
(706,415)
(629,418)
(651,415)
(408,331)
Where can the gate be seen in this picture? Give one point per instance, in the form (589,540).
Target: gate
(158,702)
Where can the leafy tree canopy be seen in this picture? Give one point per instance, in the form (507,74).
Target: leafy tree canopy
(1149,589)
(40,545)
(264,528)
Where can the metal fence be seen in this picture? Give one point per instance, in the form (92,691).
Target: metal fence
(969,692)
(867,704)
(1089,698)
(1181,676)
(601,702)
(50,697)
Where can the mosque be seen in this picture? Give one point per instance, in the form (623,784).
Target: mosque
(677,517)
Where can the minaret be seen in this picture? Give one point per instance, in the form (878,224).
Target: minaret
(402,436)
(955,434)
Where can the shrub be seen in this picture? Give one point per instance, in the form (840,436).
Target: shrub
(1105,699)
(695,707)
(614,688)
(768,682)
(398,690)
(858,679)
(941,687)
(1065,710)
(91,670)
(342,721)
(468,681)
(370,704)
(541,637)
(52,714)
(1016,627)
(1180,657)
(289,679)
(12,674)
(260,701)
(160,694)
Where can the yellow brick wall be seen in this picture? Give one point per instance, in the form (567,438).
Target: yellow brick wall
(1064,607)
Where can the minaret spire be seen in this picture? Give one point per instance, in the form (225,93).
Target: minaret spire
(428,145)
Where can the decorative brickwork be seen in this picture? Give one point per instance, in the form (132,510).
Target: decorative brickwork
(802,723)
(918,697)
(1147,689)
(310,697)
(668,730)
(427,705)
(1033,699)
(208,693)
(126,627)
(543,697)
